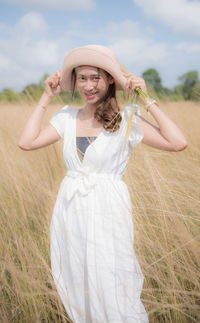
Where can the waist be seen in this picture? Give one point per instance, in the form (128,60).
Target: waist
(85,181)
(94,175)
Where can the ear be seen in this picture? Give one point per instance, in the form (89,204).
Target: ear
(111,80)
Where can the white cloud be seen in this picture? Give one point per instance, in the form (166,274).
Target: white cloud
(54,4)
(189,47)
(32,22)
(181,16)
(135,47)
(140,53)
(26,52)
(127,28)
(30,52)
(4,29)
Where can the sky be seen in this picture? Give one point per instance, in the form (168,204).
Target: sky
(36,35)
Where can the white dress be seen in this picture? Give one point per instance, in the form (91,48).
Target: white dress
(93,261)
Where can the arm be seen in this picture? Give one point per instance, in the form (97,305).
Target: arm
(32,136)
(165,137)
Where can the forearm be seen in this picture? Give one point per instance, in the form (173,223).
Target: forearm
(168,129)
(32,127)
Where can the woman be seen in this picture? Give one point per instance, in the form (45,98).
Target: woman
(92,258)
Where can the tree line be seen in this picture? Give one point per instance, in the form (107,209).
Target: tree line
(187,89)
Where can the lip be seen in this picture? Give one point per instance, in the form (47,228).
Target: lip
(90,96)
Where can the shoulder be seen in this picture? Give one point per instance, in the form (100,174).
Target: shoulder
(64,112)
(131,110)
(132,124)
(60,118)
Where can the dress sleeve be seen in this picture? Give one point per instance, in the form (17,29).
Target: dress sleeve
(58,120)
(135,134)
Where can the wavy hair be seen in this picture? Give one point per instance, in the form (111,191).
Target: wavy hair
(108,110)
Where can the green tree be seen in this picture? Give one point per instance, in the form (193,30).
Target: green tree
(178,92)
(167,91)
(34,91)
(189,80)
(153,80)
(9,95)
(195,95)
(31,91)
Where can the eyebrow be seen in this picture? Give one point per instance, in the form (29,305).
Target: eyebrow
(79,74)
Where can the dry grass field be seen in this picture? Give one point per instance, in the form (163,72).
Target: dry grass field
(165,192)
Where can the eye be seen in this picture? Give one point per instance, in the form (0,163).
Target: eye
(97,77)
(81,77)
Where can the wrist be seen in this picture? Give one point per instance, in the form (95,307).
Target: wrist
(45,99)
(151,107)
(149,104)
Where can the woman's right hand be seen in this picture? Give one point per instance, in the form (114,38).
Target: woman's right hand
(52,84)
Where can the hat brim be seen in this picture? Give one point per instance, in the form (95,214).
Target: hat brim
(91,57)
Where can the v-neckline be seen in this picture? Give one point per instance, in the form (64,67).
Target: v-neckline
(74,139)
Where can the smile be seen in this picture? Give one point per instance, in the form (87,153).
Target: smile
(90,95)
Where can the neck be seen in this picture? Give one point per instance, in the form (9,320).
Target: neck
(89,110)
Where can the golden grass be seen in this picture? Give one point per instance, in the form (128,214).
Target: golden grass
(165,192)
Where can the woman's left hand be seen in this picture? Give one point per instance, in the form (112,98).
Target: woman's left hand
(132,82)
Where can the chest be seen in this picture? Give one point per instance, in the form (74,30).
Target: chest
(98,150)
(82,143)
(87,128)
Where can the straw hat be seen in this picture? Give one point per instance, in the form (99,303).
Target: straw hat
(93,55)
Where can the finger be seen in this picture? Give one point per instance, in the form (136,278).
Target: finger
(58,73)
(136,81)
(54,81)
(130,83)
(48,82)
(130,74)
(55,84)
(58,89)
(130,87)
(127,75)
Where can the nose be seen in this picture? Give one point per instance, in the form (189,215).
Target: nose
(89,84)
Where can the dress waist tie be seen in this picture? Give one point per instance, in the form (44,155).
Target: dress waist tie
(84,181)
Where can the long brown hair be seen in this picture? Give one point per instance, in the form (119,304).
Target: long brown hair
(108,110)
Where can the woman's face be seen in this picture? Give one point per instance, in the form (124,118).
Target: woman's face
(92,83)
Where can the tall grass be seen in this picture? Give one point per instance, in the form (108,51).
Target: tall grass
(165,193)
